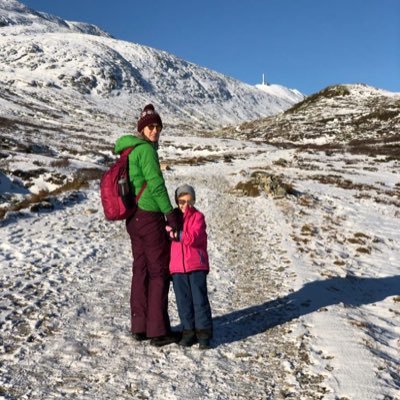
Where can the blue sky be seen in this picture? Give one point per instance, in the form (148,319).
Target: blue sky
(301,44)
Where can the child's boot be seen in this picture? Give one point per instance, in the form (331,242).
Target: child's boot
(204,336)
(188,338)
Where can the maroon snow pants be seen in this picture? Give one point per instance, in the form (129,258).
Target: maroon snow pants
(150,273)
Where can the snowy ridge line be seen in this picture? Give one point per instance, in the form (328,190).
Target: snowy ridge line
(16,18)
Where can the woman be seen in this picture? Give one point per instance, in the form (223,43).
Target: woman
(150,243)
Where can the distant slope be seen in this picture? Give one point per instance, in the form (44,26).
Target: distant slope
(290,95)
(342,114)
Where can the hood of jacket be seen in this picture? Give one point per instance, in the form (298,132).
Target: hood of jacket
(128,141)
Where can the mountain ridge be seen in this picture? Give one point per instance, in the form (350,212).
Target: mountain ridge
(77,70)
(14,13)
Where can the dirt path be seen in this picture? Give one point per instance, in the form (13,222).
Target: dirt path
(64,320)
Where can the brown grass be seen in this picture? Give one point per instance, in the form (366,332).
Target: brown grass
(61,163)
(281,162)
(308,230)
(339,262)
(362,235)
(364,250)
(338,181)
(249,188)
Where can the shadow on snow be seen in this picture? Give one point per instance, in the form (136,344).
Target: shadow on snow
(351,291)
(52,203)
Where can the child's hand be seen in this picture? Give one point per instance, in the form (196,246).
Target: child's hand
(171,232)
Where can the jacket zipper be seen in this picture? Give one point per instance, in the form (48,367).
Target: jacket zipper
(183,259)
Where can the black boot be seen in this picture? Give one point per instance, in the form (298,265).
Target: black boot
(171,337)
(140,336)
(188,338)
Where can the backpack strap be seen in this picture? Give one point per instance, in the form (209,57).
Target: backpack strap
(140,192)
(126,153)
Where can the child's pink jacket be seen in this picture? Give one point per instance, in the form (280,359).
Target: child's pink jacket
(190,253)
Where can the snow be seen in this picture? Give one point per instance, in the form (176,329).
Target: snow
(305,289)
(9,187)
(280,91)
(297,313)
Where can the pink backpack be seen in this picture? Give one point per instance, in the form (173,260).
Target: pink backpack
(116,192)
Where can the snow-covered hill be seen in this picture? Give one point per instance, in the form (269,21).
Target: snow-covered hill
(67,90)
(58,72)
(342,114)
(16,18)
(279,91)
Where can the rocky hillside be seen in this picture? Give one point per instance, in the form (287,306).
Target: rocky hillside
(357,116)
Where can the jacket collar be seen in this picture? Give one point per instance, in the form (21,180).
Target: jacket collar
(189,211)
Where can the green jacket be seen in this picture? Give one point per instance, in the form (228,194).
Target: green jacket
(144,165)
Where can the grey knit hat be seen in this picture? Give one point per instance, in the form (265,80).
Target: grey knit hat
(185,189)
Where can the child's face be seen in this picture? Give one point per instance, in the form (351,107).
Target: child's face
(184,201)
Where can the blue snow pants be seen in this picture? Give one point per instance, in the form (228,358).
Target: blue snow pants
(192,300)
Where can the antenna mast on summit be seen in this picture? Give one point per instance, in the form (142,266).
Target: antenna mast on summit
(263,81)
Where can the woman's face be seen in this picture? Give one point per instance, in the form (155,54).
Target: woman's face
(152,132)
(184,201)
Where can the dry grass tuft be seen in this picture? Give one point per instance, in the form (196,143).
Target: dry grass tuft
(60,163)
(249,188)
(308,230)
(364,250)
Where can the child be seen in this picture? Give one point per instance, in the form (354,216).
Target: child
(189,268)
